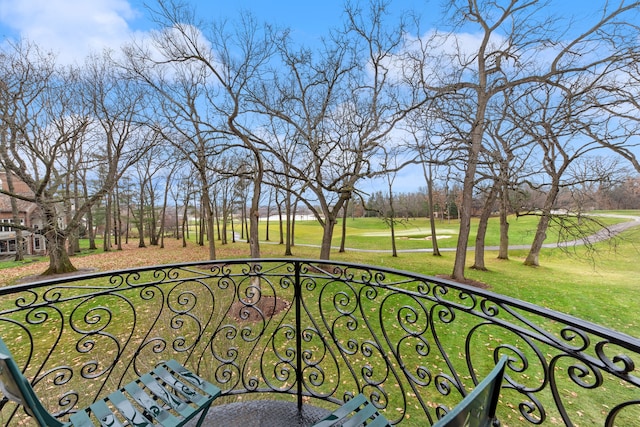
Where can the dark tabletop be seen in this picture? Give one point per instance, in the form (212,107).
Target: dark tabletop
(262,413)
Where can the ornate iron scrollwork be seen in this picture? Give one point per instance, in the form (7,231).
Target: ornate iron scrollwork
(322,331)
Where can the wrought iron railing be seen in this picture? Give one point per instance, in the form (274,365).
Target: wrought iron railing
(317,332)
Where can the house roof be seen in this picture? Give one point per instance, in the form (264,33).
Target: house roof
(20,188)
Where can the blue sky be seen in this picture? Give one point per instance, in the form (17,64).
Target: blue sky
(72,28)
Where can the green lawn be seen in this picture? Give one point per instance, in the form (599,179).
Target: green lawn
(367,233)
(600,285)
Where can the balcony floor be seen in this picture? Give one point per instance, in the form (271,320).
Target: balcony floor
(262,413)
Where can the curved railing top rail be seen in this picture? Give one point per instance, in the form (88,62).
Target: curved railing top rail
(322,330)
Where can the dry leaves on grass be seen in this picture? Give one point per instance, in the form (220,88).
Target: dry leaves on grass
(130,256)
(133,256)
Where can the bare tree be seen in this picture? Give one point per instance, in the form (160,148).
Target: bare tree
(430,154)
(282,177)
(616,100)
(506,159)
(45,119)
(51,117)
(115,103)
(341,103)
(390,162)
(174,164)
(216,71)
(514,37)
(178,117)
(553,117)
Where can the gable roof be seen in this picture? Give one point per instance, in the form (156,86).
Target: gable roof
(20,188)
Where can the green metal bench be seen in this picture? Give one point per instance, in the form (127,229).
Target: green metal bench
(170,395)
(355,412)
(478,408)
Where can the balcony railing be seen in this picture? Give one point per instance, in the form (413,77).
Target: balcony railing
(313,333)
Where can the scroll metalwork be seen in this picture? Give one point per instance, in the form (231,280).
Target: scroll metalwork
(317,332)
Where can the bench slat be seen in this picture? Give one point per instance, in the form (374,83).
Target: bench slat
(359,417)
(193,378)
(128,410)
(151,405)
(161,392)
(188,392)
(104,414)
(81,419)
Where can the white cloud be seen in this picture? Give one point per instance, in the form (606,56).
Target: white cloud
(70,28)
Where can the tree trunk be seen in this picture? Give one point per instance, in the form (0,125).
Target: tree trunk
(106,242)
(254,213)
(292,235)
(74,241)
(465,222)
(288,224)
(196,222)
(394,249)
(343,237)
(466,205)
(91,231)
(327,236)
(479,263)
(59,261)
(67,204)
(503,253)
(533,257)
(280,222)
(280,226)
(432,223)
(153,219)
(118,218)
(127,224)
(392,222)
(428,175)
(163,212)
(245,223)
(177,223)
(140,224)
(185,224)
(220,229)
(266,237)
(206,202)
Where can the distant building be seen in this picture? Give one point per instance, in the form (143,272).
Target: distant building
(29,215)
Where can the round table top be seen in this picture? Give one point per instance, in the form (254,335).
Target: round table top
(262,413)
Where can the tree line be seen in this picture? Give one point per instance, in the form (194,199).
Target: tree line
(504,101)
